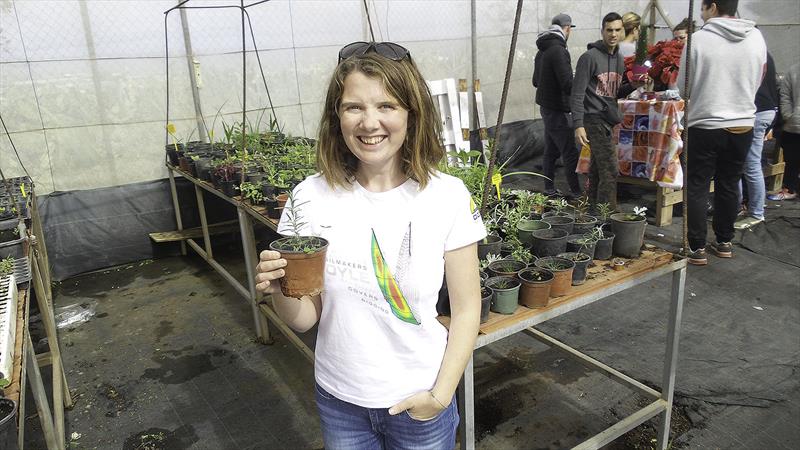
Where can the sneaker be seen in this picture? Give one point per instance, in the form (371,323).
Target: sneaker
(747,222)
(697,257)
(722,249)
(782,195)
(554,193)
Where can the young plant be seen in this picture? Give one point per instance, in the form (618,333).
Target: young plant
(294,221)
(637,214)
(7,265)
(605,210)
(490,258)
(582,208)
(252,192)
(539,201)
(558,204)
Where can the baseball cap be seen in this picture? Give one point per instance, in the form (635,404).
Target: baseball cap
(563,20)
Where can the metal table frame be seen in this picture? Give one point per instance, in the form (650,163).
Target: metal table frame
(246,214)
(662,401)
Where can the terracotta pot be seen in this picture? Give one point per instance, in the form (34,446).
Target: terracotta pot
(304,272)
(282,199)
(562,277)
(535,293)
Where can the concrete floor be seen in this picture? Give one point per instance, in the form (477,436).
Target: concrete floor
(167,360)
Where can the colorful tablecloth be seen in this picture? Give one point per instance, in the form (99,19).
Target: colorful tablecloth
(648,142)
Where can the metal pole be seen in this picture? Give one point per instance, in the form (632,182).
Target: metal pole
(671,356)
(473,108)
(466,406)
(187,43)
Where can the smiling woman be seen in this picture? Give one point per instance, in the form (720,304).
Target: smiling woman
(395,227)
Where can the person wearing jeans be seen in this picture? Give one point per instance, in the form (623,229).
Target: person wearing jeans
(722,90)
(766,107)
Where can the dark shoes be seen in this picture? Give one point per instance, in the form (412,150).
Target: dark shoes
(699,257)
(722,249)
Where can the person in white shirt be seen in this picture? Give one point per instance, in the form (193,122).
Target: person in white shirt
(386,369)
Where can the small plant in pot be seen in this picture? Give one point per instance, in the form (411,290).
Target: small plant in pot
(562,273)
(584,243)
(582,261)
(583,221)
(506,294)
(628,231)
(252,193)
(7,265)
(506,268)
(604,241)
(539,201)
(604,212)
(536,284)
(304,255)
(486,302)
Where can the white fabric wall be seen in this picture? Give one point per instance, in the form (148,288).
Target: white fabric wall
(82,83)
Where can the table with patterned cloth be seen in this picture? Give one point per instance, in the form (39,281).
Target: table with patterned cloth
(648,142)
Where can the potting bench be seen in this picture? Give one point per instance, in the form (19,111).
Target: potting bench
(602,282)
(36,275)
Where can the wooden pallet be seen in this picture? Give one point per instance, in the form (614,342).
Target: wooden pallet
(195,233)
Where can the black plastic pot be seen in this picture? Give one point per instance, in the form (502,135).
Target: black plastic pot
(579,272)
(8,426)
(203,168)
(228,188)
(628,235)
(172,154)
(525,229)
(584,224)
(268,190)
(574,245)
(272,208)
(491,244)
(549,242)
(486,302)
(255,177)
(505,268)
(604,247)
(561,222)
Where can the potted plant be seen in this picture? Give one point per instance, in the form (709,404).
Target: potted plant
(604,241)
(583,221)
(549,242)
(506,268)
(7,265)
(304,273)
(486,302)
(489,245)
(628,231)
(535,289)
(565,223)
(582,261)
(252,193)
(526,227)
(562,273)
(506,294)
(584,243)
(539,202)
(604,212)
(558,207)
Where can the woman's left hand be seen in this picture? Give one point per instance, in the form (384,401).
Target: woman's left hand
(420,406)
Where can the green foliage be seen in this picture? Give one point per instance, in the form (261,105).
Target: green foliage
(605,210)
(7,265)
(294,220)
(641,46)
(252,192)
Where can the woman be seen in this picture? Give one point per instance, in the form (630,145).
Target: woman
(632,24)
(384,378)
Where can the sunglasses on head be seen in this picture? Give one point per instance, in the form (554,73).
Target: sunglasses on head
(388,50)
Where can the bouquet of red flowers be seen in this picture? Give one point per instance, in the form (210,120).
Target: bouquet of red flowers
(664,58)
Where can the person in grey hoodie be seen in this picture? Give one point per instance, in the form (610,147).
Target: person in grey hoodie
(598,78)
(728,62)
(552,78)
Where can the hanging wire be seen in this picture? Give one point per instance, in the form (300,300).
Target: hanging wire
(685,133)
(369,21)
(487,183)
(14,147)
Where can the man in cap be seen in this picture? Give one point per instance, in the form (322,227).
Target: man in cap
(552,78)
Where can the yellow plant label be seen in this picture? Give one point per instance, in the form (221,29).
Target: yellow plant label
(497,179)
(22,189)
(171,128)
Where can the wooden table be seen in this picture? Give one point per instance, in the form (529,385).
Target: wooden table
(602,281)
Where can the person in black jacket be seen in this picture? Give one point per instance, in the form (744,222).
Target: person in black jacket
(552,78)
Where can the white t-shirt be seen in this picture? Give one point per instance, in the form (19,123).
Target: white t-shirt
(384,249)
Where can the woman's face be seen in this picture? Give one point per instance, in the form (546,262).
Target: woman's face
(680,35)
(373,123)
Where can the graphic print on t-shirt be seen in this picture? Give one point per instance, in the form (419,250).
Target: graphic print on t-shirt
(388,284)
(608,83)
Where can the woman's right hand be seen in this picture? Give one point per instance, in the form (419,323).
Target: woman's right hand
(269,268)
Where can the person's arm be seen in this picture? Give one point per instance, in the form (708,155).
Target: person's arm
(300,314)
(463,286)
(579,85)
(564,71)
(786,106)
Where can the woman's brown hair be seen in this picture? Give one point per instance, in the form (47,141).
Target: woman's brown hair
(422,150)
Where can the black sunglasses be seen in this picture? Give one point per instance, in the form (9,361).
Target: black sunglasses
(388,50)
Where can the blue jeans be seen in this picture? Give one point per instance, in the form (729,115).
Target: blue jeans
(346,426)
(753,174)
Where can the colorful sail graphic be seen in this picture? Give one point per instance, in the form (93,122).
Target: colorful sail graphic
(388,285)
